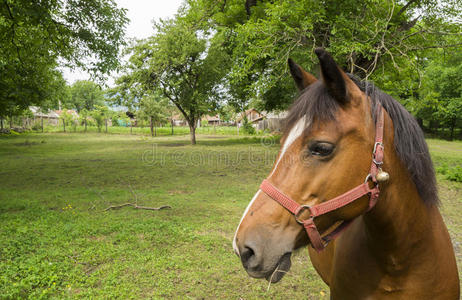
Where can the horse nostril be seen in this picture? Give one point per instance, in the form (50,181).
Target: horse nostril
(248,257)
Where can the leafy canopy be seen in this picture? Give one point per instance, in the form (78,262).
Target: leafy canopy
(39,36)
(84,94)
(182,63)
(378,39)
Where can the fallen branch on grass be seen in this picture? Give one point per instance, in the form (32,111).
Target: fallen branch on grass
(137,207)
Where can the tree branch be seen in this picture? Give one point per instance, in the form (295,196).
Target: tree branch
(137,207)
(405,7)
(10,13)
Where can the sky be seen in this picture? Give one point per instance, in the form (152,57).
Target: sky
(141,13)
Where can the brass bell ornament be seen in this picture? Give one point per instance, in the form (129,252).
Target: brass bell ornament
(382,176)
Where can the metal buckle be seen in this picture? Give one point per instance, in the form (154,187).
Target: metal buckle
(377,163)
(375,147)
(302,208)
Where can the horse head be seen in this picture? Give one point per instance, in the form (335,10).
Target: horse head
(325,151)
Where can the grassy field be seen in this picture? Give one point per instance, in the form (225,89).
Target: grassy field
(56,240)
(160,131)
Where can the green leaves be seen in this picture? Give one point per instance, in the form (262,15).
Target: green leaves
(371,38)
(84,94)
(38,35)
(183,63)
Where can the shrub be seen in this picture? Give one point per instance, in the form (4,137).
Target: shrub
(247,126)
(37,126)
(450,173)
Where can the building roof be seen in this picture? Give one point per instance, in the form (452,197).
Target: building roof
(38,112)
(212,118)
(69,111)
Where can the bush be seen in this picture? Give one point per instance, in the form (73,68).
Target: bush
(451,173)
(247,126)
(115,120)
(37,126)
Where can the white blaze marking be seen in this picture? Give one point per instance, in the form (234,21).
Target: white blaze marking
(294,133)
(236,249)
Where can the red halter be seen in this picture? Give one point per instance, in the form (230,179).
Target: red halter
(317,242)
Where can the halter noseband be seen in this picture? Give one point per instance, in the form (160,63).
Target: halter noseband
(318,242)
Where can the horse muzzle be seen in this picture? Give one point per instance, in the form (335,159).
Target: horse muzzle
(259,264)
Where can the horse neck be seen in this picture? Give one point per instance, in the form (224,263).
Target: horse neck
(399,223)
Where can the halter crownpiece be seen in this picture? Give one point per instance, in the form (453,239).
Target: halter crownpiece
(376,175)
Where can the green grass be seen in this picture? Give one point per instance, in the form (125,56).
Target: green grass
(57,242)
(161,131)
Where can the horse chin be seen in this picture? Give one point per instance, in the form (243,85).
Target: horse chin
(281,268)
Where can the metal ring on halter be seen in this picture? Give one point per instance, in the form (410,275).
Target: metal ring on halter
(300,210)
(377,163)
(369,176)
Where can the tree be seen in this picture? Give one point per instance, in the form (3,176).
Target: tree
(153,108)
(183,65)
(83,115)
(100,115)
(441,95)
(373,39)
(67,118)
(37,36)
(85,94)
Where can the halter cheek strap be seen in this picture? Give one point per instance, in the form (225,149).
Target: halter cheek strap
(318,242)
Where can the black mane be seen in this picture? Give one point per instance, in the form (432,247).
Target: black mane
(315,104)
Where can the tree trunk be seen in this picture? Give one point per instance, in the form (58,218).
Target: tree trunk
(172,125)
(64,125)
(41,121)
(453,125)
(85,122)
(131,127)
(11,122)
(106,125)
(1,122)
(155,130)
(192,132)
(433,128)
(420,122)
(151,125)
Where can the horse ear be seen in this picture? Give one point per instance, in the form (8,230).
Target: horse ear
(301,77)
(334,79)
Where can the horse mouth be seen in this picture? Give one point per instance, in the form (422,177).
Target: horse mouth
(282,267)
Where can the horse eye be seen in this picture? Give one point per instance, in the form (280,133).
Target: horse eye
(321,149)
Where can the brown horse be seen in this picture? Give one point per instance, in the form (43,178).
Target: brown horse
(399,248)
